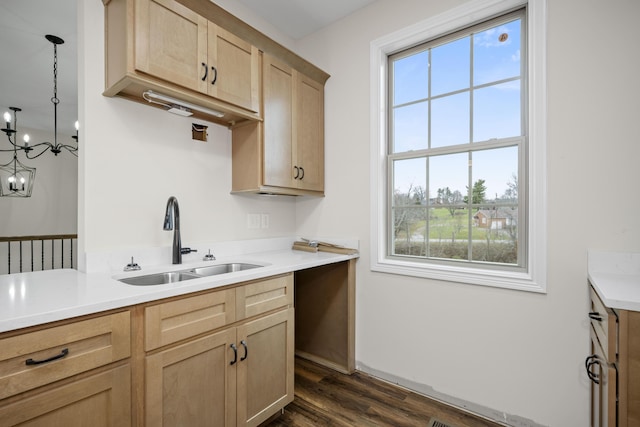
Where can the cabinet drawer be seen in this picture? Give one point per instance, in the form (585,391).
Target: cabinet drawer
(260,297)
(103,399)
(177,320)
(605,324)
(41,357)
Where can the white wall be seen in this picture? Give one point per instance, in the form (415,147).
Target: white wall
(510,351)
(52,207)
(134,157)
(238,9)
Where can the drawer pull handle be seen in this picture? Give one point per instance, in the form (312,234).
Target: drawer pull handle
(592,376)
(297,172)
(62,354)
(594,315)
(235,354)
(246,350)
(302,171)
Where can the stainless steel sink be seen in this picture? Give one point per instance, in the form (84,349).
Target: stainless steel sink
(213,270)
(159,278)
(194,273)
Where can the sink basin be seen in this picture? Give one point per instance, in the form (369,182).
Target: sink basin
(159,278)
(194,273)
(222,269)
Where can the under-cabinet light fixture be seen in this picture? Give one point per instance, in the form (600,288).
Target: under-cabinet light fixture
(177,106)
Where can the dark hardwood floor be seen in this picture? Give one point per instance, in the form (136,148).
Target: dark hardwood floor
(327,398)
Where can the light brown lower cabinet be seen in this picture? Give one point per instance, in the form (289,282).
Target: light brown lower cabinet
(265,368)
(213,358)
(220,358)
(72,373)
(239,376)
(192,384)
(614,365)
(102,399)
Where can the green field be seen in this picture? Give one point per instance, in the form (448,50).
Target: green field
(449,237)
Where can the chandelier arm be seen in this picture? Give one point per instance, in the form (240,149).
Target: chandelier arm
(30,156)
(71,149)
(7,150)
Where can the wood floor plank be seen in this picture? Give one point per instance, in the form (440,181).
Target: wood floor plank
(326,398)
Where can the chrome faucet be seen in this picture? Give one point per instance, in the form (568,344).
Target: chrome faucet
(172,222)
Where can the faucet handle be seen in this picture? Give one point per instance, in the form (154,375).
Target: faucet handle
(209,256)
(185,251)
(132,266)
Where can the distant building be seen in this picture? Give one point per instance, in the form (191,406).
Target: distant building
(496,219)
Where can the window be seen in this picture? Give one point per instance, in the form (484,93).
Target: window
(458,185)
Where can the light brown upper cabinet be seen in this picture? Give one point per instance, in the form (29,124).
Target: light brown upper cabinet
(234,69)
(180,46)
(164,46)
(285,154)
(171,43)
(308,150)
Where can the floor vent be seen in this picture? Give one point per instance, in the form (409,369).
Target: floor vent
(437,423)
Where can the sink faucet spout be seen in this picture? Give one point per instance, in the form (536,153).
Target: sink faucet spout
(172,222)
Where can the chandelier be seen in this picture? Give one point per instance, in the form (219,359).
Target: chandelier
(16,179)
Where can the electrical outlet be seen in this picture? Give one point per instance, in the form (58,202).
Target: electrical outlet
(253,221)
(264,220)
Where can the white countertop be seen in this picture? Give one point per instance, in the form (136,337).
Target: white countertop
(28,299)
(615,276)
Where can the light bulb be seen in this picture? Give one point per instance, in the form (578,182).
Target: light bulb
(77,125)
(12,179)
(22,180)
(25,138)
(7,117)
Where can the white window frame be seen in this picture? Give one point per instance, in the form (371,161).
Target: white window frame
(534,278)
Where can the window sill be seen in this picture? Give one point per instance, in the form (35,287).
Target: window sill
(474,276)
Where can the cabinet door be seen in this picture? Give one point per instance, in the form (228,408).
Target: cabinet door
(193,384)
(234,69)
(278,134)
(604,391)
(103,399)
(265,371)
(308,117)
(171,43)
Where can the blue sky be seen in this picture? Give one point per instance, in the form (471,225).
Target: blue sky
(496,110)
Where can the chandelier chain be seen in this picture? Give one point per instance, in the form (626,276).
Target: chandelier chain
(55,99)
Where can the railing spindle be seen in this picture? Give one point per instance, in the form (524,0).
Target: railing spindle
(15,244)
(71,250)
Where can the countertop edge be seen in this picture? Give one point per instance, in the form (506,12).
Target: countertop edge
(617,291)
(92,290)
